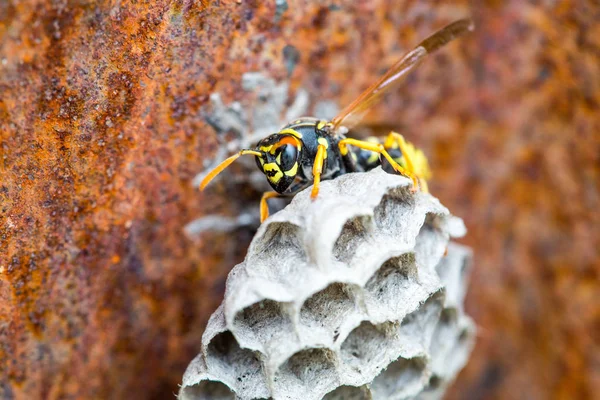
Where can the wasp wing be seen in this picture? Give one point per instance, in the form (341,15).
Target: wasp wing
(354,112)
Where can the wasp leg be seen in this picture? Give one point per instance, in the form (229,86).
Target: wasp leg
(396,138)
(264,207)
(318,169)
(378,148)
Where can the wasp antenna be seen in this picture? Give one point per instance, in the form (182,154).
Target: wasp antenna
(219,168)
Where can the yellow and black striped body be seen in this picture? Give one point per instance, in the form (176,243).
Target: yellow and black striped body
(309,150)
(290,156)
(308,133)
(366,160)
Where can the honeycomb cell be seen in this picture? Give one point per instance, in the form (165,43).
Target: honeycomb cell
(240,368)
(351,237)
(326,311)
(311,372)
(402,378)
(207,390)
(417,327)
(453,270)
(394,213)
(392,291)
(445,330)
(278,234)
(431,242)
(262,323)
(349,393)
(281,244)
(368,348)
(452,339)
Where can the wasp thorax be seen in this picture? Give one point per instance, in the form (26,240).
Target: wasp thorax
(279,162)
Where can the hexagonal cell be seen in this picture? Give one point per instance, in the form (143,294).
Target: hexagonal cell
(349,393)
(450,343)
(417,327)
(401,379)
(207,390)
(453,270)
(431,242)
(241,367)
(393,213)
(366,349)
(393,290)
(282,244)
(277,236)
(445,333)
(311,372)
(262,323)
(328,309)
(351,237)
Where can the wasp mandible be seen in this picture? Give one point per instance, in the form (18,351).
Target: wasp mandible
(309,150)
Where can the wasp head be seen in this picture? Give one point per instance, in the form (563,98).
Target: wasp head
(281,155)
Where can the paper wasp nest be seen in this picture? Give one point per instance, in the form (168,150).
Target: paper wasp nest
(346,297)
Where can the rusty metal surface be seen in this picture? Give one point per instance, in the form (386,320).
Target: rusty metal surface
(102,127)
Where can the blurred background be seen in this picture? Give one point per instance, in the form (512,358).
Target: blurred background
(105,120)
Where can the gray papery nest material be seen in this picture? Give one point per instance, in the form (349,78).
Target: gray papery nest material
(346,297)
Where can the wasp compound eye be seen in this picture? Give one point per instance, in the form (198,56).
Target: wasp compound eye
(287,157)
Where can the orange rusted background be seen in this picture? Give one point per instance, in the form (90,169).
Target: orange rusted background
(102,295)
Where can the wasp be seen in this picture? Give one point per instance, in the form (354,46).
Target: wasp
(309,150)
